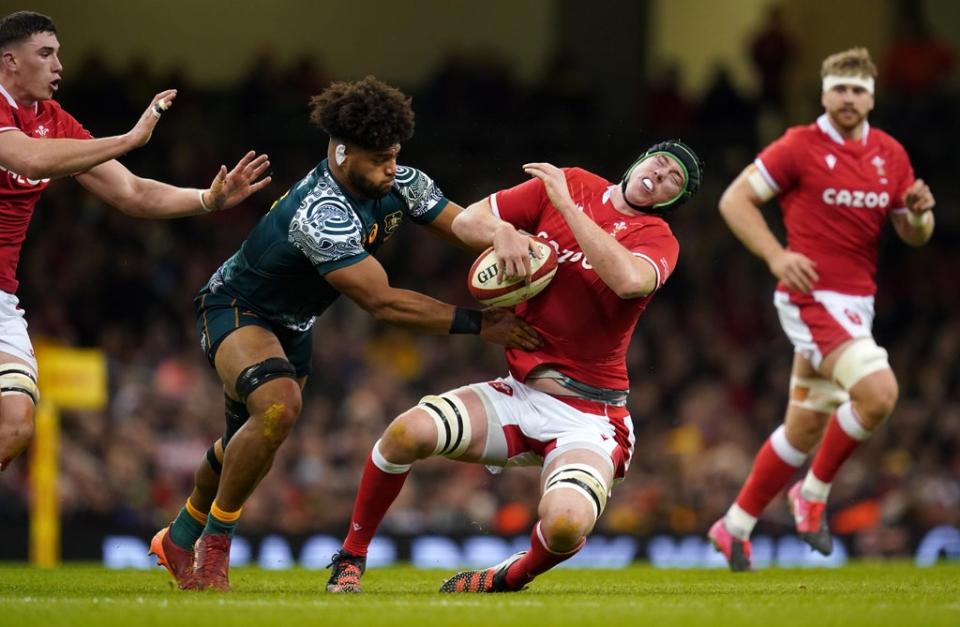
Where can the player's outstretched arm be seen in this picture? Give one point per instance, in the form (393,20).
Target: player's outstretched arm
(113,183)
(915,225)
(740,208)
(51,158)
(442,225)
(479,228)
(366,284)
(627,275)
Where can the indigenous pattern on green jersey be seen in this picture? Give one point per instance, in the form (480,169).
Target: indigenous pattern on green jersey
(313,229)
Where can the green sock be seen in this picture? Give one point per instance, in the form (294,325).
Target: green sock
(215,525)
(185,530)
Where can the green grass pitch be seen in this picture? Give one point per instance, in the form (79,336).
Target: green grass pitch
(872,594)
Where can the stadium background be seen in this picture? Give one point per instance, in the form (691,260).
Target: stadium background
(559,80)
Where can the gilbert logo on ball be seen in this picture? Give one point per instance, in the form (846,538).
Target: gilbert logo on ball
(483,285)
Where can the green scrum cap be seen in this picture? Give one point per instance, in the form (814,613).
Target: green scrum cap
(690,163)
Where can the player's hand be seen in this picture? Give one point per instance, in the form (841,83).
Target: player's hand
(797,271)
(503,327)
(231,188)
(513,252)
(555,183)
(918,198)
(143,129)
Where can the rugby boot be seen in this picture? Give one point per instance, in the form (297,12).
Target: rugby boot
(177,561)
(810,521)
(346,572)
(493,579)
(211,564)
(736,551)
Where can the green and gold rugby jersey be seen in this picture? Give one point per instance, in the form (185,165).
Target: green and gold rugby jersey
(315,228)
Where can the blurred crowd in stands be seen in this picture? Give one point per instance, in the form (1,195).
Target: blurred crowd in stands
(709,363)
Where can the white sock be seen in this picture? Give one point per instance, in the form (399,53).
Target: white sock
(385,465)
(784,450)
(851,423)
(813,489)
(739,523)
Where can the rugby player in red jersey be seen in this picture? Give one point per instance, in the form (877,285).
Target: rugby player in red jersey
(838,181)
(40,141)
(563,405)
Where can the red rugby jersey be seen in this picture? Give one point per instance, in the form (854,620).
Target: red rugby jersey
(836,195)
(586,327)
(18,194)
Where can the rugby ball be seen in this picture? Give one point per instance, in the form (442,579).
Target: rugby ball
(483,285)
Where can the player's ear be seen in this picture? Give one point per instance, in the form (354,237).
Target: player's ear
(8,59)
(340,154)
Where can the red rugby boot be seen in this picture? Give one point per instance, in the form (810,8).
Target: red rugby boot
(212,563)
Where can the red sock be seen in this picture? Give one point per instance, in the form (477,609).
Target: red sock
(837,445)
(539,559)
(770,473)
(378,490)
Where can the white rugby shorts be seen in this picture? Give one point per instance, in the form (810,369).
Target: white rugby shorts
(13,331)
(819,322)
(527,427)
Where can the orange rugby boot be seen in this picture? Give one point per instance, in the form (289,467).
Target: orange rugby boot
(178,561)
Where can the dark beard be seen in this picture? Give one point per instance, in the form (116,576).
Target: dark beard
(364,186)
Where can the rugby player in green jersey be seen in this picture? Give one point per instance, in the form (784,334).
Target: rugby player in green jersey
(256,313)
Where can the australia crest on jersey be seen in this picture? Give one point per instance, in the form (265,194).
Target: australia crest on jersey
(391,222)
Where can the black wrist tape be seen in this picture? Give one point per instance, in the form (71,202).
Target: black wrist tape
(466,321)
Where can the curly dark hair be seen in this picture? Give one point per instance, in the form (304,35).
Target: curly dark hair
(367,113)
